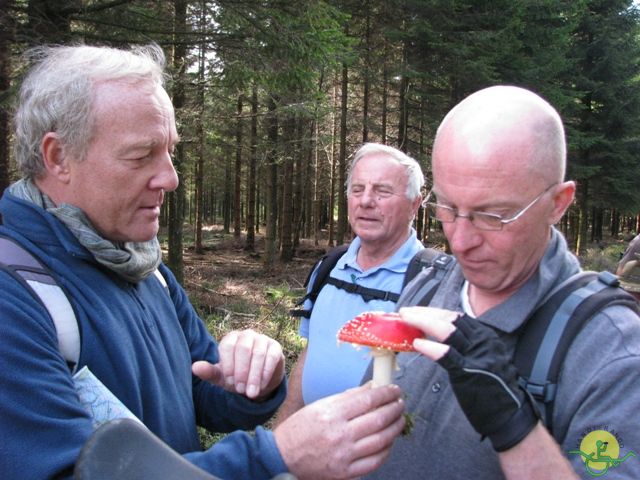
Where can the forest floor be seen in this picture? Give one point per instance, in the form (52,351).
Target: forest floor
(231,288)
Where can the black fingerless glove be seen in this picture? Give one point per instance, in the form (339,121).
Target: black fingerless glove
(485,383)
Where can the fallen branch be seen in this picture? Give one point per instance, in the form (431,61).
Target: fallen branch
(228,313)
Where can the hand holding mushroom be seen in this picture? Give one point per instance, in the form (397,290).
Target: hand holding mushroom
(482,376)
(346,435)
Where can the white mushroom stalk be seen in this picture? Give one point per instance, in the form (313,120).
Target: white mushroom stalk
(384,363)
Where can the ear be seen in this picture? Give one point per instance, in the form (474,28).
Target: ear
(54,157)
(562,200)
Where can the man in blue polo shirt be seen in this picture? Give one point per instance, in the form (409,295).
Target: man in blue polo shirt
(384,193)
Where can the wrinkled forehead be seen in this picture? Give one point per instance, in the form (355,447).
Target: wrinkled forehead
(377,169)
(126,90)
(116,98)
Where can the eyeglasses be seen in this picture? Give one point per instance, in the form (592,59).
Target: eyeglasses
(480,220)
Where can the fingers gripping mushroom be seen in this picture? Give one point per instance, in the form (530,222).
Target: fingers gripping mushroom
(385,334)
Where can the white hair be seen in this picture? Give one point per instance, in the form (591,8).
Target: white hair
(415,178)
(57,94)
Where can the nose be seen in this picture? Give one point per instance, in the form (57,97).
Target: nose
(166,178)
(368,197)
(462,235)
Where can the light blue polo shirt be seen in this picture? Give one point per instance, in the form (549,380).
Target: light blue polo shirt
(331,367)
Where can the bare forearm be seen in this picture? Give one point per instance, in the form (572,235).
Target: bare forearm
(537,456)
(294,400)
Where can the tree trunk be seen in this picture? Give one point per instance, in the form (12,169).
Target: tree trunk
(342,165)
(583,215)
(251,181)
(385,95)
(237,203)
(272,185)
(201,153)
(308,181)
(367,80)
(286,219)
(419,223)
(332,180)
(6,39)
(226,202)
(598,220)
(177,198)
(614,224)
(299,187)
(316,222)
(403,104)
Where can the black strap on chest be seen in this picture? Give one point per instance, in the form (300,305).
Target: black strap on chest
(424,275)
(366,293)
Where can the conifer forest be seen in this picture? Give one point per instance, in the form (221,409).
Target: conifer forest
(273,96)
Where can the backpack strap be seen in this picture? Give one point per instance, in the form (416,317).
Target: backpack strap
(324,267)
(424,274)
(366,293)
(32,274)
(161,279)
(39,281)
(549,332)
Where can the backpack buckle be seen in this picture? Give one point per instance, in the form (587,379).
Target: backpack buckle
(609,279)
(541,392)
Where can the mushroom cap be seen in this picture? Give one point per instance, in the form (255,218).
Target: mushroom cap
(380,329)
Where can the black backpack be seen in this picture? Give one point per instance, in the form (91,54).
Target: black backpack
(548,334)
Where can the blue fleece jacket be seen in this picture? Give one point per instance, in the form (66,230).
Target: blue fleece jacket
(137,339)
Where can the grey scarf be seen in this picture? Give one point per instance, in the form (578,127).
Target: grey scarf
(133,261)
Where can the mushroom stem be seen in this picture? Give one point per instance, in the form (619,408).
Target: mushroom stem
(384,362)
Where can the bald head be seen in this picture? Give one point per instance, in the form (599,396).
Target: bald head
(509,126)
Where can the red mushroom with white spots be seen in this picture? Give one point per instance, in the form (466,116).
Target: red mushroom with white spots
(386,334)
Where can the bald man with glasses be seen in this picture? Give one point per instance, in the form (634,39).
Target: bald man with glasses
(498,190)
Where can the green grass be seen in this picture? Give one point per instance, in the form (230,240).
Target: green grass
(607,258)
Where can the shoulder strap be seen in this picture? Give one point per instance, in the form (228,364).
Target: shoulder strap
(366,293)
(421,260)
(37,278)
(548,334)
(324,266)
(424,274)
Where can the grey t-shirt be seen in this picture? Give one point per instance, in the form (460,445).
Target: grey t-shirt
(598,392)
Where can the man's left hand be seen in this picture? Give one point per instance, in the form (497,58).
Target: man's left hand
(483,379)
(250,364)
